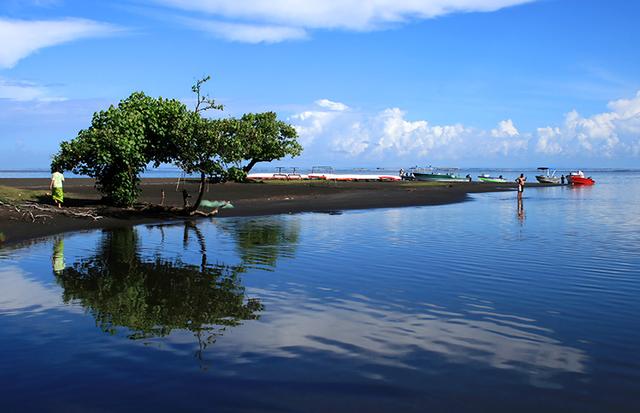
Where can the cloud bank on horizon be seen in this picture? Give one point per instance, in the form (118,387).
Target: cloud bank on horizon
(334,127)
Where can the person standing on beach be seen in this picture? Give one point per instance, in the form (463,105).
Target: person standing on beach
(520,181)
(56,187)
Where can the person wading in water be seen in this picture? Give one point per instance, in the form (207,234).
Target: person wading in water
(520,181)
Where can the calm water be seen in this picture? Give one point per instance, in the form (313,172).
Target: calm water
(478,306)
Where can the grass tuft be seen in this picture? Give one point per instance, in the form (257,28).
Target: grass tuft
(10,195)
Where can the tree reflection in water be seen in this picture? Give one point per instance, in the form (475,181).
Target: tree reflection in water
(261,242)
(151,297)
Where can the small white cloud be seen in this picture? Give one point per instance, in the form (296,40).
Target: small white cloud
(247,33)
(312,123)
(505,128)
(20,38)
(329,104)
(25,91)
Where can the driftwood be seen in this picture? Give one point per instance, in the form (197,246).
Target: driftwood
(50,211)
(65,211)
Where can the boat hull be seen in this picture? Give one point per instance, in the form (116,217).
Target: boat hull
(544,179)
(579,180)
(438,177)
(492,180)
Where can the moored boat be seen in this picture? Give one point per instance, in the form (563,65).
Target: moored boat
(491,179)
(547,177)
(438,175)
(578,178)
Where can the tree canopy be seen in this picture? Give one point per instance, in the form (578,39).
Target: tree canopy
(121,142)
(124,140)
(265,138)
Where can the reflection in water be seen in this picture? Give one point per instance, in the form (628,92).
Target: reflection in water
(261,242)
(151,297)
(521,215)
(57,259)
(360,328)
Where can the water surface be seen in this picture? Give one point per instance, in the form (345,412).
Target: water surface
(485,305)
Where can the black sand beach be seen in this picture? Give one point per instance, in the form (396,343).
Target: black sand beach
(249,199)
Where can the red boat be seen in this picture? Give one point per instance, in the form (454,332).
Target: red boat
(578,178)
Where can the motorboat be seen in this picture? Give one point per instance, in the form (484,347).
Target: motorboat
(491,179)
(578,178)
(438,175)
(547,177)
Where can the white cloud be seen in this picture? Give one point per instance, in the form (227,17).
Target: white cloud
(505,128)
(505,140)
(393,134)
(357,15)
(25,91)
(247,33)
(329,104)
(389,134)
(603,134)
(334,127)
(20,38)
(312,123)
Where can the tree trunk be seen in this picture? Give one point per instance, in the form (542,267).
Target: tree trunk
(250,165)
(196,204)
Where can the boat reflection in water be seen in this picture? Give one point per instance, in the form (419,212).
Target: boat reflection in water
(152,296)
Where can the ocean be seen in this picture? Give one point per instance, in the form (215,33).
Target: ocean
(485,305)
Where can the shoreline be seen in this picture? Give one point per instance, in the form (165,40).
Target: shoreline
(249,199)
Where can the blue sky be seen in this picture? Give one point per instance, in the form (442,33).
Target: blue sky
(503,83)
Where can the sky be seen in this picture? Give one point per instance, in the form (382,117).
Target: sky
(379,83)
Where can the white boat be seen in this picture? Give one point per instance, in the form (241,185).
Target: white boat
(278,176)
(327,173)
(546,177)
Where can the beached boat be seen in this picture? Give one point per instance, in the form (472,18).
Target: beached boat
(327,173)
(438,175)
(547,177)
(491,179)
(578,178)
(280,175)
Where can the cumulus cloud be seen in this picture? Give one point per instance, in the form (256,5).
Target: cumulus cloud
(505,128)
(20,38)
(247,33)
(25,91)
(334,127)
(355,15)
(338,129)
(607,133)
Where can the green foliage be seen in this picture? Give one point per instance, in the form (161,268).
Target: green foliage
(142,130)
(121,141)
(236,174)
(264,138)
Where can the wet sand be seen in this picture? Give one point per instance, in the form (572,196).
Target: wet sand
(249,199)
